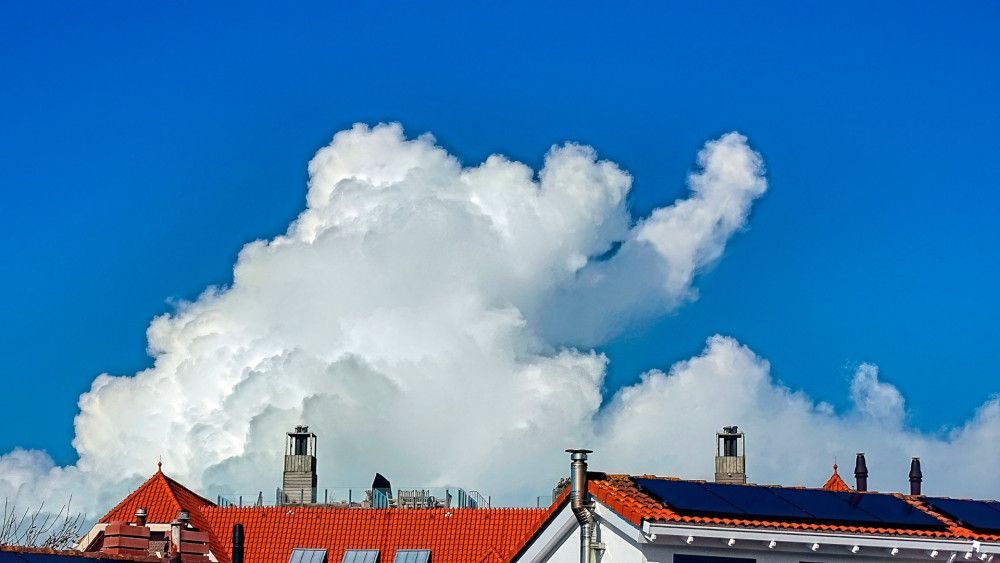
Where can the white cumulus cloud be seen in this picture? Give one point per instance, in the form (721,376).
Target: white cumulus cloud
(436,322)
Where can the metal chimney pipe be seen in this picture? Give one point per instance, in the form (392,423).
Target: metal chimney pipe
(861,472)
(237,543)
(916,476)
(580,503)
(140,516)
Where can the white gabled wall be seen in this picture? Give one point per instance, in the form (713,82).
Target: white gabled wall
(559,542)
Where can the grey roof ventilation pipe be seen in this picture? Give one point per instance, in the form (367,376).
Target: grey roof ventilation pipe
(583,509)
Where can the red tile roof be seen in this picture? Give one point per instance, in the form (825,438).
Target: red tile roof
(452,535)
(163,498)
(621,494)
(835,483)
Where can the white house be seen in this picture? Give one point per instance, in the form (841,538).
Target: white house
(639,519)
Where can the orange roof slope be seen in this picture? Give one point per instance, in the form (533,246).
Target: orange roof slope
(163,498)
(835,483)
(453,535)
(621,494)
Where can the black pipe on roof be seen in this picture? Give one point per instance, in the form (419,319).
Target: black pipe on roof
(861,472)
(916,476)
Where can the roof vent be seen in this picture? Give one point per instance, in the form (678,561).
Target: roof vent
(861,472)
(916,476)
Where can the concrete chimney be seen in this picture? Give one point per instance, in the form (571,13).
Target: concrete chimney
(298,483)
(730,456)
(916,476)
(861,472)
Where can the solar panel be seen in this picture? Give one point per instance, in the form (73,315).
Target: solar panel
(301,555)
(893,510)
(686,496)
(979,514)
(741,501)
(757,501)
(360,556)
(412,556)
(829,506)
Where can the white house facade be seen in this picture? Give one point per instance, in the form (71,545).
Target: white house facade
(629,521)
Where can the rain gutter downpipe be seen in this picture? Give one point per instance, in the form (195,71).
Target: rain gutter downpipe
(583,509)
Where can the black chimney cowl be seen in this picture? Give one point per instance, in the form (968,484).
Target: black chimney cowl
(861,472)
(916,476)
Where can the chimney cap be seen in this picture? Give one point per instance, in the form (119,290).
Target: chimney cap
(183,516)
(915,472)
(579,454)
(141,511)
(860,467)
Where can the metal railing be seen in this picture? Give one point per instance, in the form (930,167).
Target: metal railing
(362,497)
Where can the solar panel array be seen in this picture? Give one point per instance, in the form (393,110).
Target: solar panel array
(981,515)
(803,505)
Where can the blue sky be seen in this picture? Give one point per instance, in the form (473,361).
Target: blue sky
(144,145)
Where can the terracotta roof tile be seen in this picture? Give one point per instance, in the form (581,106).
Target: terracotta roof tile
(163,498)
(453,535)
(835,483)
(621,494)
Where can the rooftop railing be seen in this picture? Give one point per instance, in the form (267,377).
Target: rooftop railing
(362,497)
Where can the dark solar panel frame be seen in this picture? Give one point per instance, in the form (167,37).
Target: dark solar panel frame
(829,506)
(758,501)
(688,496)
(982,515)
(894,510)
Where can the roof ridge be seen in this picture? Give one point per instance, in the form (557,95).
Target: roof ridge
(147,483)
(171,483)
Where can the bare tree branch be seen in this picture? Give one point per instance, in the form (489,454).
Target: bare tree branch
(38,528)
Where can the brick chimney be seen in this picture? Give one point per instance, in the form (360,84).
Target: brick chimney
(187,544)
(122,538)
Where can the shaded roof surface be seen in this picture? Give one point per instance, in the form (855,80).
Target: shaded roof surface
(453,535)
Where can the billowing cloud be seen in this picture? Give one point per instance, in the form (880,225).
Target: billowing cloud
(436,322)
(664,424)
